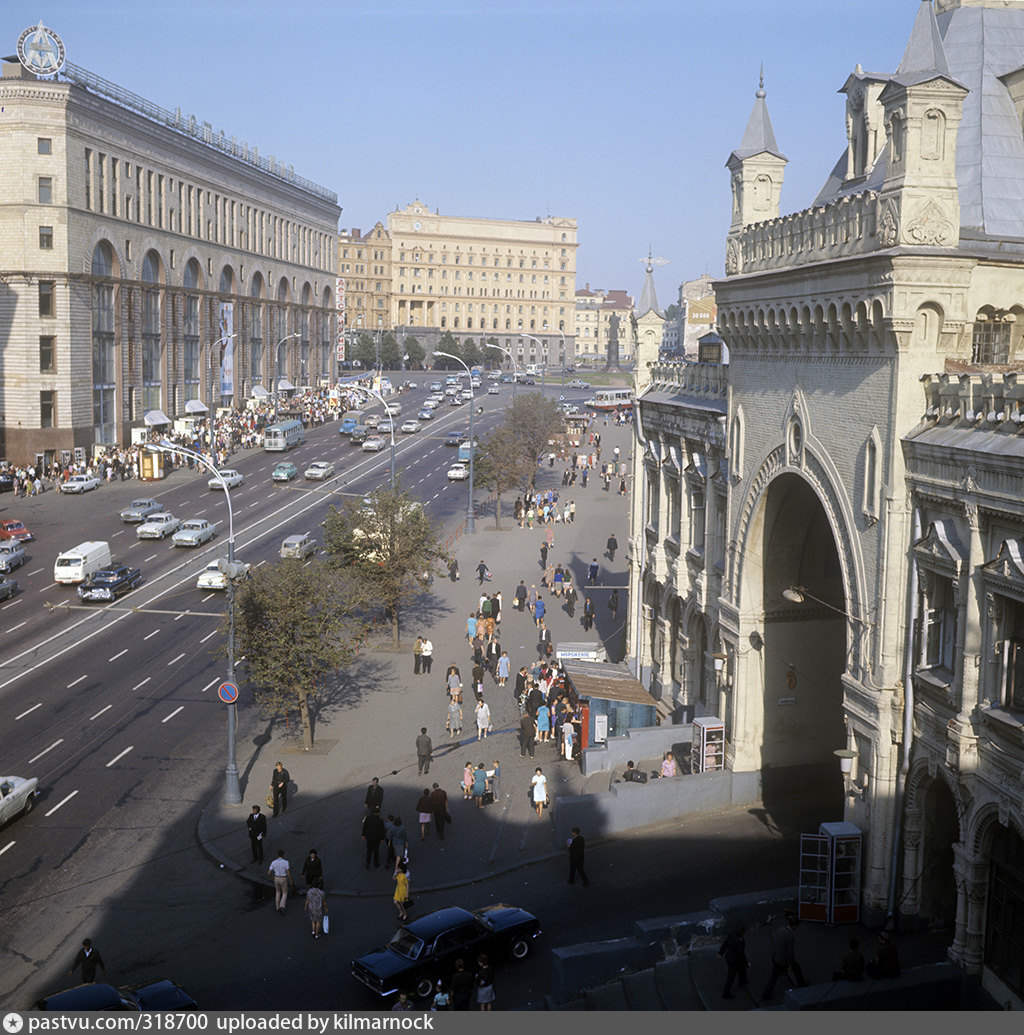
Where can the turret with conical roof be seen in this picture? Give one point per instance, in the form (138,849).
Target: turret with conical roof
(757,168)
(648,328)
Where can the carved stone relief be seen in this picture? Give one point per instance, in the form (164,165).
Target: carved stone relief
(888,227)
(931,227)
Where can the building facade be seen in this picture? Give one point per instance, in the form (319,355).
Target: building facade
(364,278)
(599,314)
(827,540)
(146,262)
(513,281)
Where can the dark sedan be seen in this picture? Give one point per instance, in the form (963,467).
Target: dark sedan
(426,949)
(453,438)
(109,583)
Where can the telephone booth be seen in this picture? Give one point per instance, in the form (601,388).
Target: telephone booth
(830,865)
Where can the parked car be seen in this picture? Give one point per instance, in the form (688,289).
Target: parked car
(231,478)
(194,532)
(423,950)
(12,555)
(6,481)
(80,483)
(358,436)
(8,587)
(318,470)
(17,796)
(410,426)
(301,546)
(212,577)
(373,444)
(97,996)
(15,530)
(284,471)
(577,383)
(158,526)
(110,583)
(139,510)
(458,472)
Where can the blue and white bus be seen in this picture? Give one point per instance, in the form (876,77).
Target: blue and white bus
(279,437)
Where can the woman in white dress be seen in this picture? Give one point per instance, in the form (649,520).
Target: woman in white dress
(483,719)
(540,791)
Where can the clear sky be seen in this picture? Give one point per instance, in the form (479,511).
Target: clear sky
(620,113)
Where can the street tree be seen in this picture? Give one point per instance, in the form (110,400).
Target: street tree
(535,420)
(471,354)
(296,625)
(501,464)
(365,351)
(390,354)
(414,350)
(446,343)
(388,545)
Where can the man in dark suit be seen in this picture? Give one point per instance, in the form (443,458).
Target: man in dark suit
(424,752)
(88,959)
(256,824)
(577,846)
(373,833)
(543,641)
(374,795)
(279,787)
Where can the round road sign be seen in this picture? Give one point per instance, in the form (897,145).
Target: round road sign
(228,693)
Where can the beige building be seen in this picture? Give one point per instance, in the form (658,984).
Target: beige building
(147,261)
(513,280)
(597,312)
(364,278)
(827,548)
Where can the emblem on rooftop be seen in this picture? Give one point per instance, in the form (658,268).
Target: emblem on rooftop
(41,50)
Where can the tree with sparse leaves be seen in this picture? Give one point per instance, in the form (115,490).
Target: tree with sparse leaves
(501,464)
(388,545)
(296,624)
(534,420)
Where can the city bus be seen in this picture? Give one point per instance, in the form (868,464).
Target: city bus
(284,435)
(611,399)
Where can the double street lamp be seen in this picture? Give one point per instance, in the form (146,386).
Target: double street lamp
(515,366)
(391,425)
(543,348)
(277,357)
(232,571)
(470,516)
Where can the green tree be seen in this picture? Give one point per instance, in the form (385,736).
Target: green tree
(388,545)
(501,464)
(296,625)
(447,343)
(414,350)
(534,420)
(365,350)
(390,354)
(471,354)
(492,357)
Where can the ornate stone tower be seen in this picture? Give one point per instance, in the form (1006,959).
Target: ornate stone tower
(757,167)
(648,323)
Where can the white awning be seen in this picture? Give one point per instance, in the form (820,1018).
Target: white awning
(259,392)
(284,385)
(196,406)
(156,417)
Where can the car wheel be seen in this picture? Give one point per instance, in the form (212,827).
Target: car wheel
(424,986)
(520,949)
(29,804)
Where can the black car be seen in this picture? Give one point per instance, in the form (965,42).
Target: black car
(358,435)
(109,583)
(426,949)
(6,481)
(158,995)
(453,438)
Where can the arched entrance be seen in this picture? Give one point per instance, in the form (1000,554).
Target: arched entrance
(941,831)
(804,647)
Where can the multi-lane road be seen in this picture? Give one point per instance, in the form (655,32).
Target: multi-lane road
(114,708)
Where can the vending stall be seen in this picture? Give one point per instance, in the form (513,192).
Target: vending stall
(608,700)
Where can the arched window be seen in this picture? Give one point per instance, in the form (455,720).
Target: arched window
(151,373)
(256,329)
(872,475)
(736,444)
(104,375)
(191,284)
(307,301)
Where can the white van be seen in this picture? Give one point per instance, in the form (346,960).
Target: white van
(77,564)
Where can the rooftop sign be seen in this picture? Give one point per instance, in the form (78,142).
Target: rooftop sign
(41,50)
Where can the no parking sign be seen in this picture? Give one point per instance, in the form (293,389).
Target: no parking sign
(228,693)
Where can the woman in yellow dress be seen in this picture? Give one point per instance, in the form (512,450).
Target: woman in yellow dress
(401,889)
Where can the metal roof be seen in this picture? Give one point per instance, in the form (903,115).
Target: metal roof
(607,682)
(759,137)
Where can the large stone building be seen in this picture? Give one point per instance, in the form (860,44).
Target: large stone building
(828,539)
(146,261)
(511,280)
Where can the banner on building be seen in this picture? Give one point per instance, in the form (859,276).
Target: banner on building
(340,296)
(227,365)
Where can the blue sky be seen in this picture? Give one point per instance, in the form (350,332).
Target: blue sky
(620,114)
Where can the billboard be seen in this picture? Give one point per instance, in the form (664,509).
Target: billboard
(339,294)
(227,365)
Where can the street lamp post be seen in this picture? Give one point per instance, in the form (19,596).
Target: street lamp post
(560,331)
(470,516)
(515,367)
(376,394)
(544,367)
(213,411)
(277,356)
(232,787)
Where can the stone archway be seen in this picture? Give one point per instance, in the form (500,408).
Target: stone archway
(941,831)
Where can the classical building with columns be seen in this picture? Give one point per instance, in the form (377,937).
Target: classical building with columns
(146,262)
(828,536)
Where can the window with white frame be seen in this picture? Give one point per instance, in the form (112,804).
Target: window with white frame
(938,623)
(1010,653)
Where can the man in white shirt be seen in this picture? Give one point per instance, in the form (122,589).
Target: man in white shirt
(426,655)
(282,874)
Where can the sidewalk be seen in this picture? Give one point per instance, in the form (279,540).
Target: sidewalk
(370,725)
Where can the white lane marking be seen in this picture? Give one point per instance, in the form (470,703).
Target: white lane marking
(106,708)
(50,748)
(210,684)
(113,534)
(175,712)
(261,563)
(152,557)
(151,635)
(256,504)
(10,844)
(80,679)
(139,686)
(11,604)
(117,758)
(18,626)
(175,661)
(120,654)
(29,712)
(199,513)
(138,543)
(208,635)
(178,617)
(36,572)
(63,801)
(207,597)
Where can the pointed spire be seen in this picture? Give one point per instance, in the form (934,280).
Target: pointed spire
(759,136)
(925,56)
(648,296)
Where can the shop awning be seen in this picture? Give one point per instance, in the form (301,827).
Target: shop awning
(259,392)
(196,406)
(284,385)
(156,417)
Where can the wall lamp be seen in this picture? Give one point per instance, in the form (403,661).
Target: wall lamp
(800,594)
